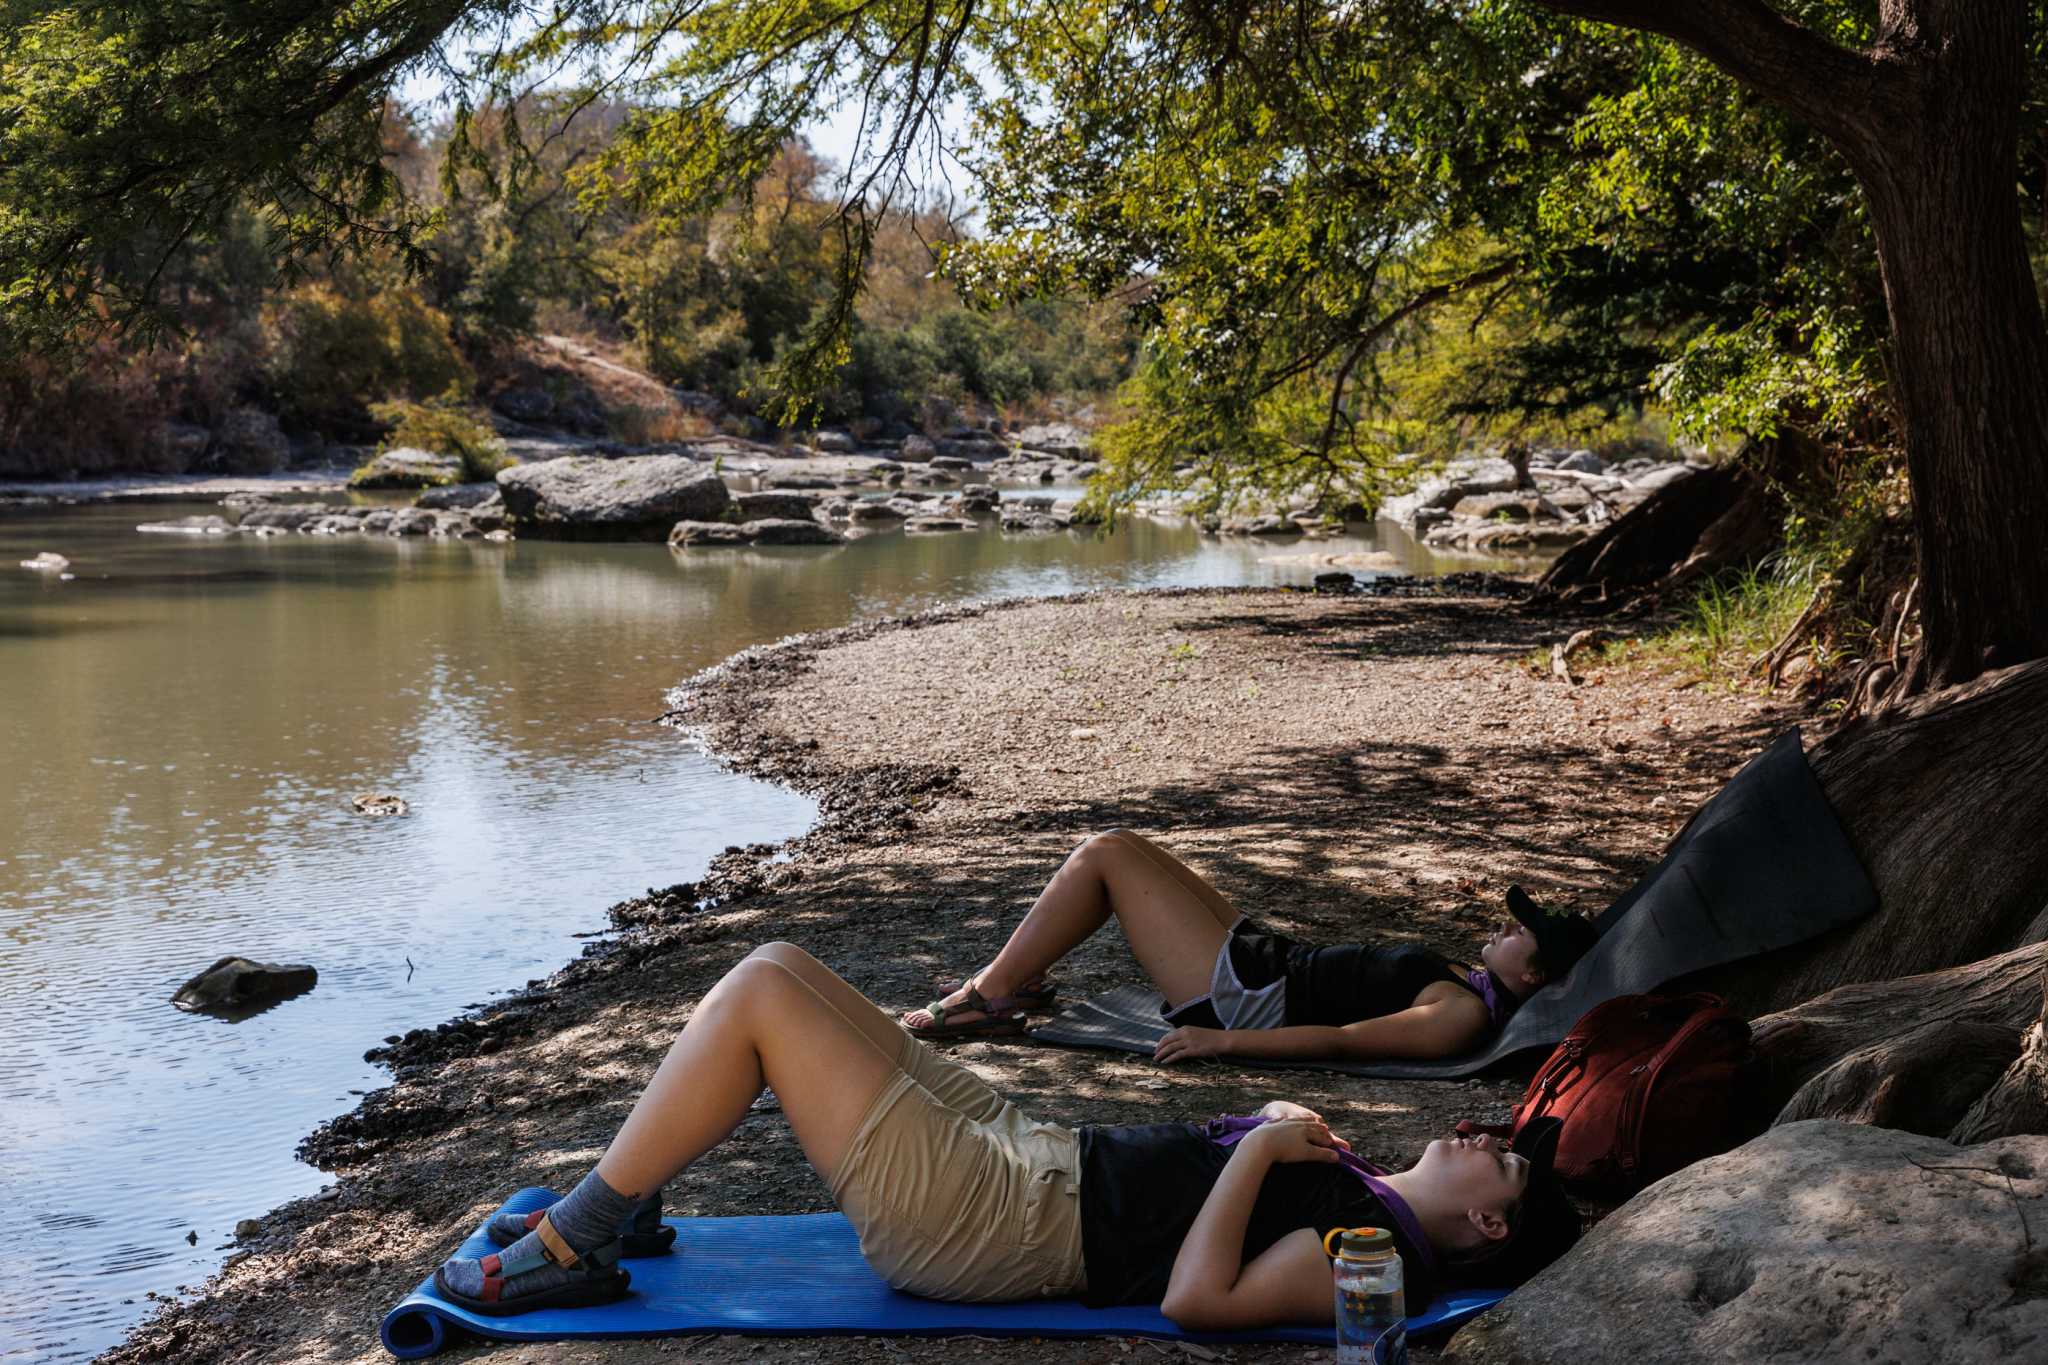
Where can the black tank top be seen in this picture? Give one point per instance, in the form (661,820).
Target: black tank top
(1344,983)
(1142,1185)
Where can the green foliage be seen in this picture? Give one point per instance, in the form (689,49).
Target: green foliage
(445,426)
(332,350)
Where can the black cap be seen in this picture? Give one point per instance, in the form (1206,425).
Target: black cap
(1545,1226)
(1562,938)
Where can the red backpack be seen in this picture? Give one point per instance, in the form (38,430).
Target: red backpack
(1645,1084)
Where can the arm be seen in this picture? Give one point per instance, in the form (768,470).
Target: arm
(1441,1028)
(1212,1288)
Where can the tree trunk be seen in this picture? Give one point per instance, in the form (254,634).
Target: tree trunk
(1969,352)
(1945,800)
(1921,1081)
(1928,119)
(1893,1027)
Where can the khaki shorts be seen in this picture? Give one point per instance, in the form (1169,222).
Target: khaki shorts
(958,1194)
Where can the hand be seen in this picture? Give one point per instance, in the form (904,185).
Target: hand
(1287,1109)
(1186,1044)
(1296,1140)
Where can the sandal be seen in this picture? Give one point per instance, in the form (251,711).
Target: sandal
(642,1234)
(597,1278)
(1037,994)
(999,1018)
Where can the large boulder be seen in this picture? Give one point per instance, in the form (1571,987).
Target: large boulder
(580,497)
(1063,439)
(235,984)
(1818,1242)
(1464,477)
(250,439)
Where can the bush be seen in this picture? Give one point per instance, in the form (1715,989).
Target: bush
(445,426)
(333,351)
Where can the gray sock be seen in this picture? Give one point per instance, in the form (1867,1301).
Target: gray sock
(587,1218)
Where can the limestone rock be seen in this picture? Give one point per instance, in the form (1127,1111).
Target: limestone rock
(935,523)
(208,525)
(529,404)
(1258,526)
(764,531)
(783,505)
(1654,479)
(917,449)
(1583,462)
(379,803)
(238,983)
(249,438)
(580,497)
(1818,1242)
(457,495)
(834,442)
(1061,439)
(869,510)
(407,467)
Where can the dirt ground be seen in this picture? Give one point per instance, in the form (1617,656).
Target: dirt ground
(1344,767)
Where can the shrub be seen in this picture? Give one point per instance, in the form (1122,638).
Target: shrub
(445,426)
(333,352)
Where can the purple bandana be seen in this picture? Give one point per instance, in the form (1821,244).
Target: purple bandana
(1500,1001)
(1229,1130)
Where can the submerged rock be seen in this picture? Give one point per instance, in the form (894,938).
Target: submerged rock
(641,497)
(49,561)
(239,983)
(379,803)
(206,525)
(933,524)
(407,467)
(1818,1242)
(765,531)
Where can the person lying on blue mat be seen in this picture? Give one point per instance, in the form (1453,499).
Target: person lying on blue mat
(957,1194)
(1233,989)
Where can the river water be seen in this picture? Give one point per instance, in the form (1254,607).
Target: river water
(185,721)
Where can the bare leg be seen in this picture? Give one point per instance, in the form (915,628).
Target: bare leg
(1175,922)
(762,1024)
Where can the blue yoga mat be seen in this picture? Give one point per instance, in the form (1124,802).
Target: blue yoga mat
(803,1276)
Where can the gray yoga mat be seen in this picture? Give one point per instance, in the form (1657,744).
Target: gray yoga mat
(1762,865)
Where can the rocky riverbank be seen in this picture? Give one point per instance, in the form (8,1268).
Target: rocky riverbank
(1367,764)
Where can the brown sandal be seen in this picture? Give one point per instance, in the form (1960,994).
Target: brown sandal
(999,1018)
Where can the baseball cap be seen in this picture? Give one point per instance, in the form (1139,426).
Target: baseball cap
(1546,1225)
(1562,938)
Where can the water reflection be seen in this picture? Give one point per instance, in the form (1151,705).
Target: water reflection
(185,721)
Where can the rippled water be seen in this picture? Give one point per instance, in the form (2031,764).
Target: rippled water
(184,722)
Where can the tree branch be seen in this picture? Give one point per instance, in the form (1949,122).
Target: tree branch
(1827,85)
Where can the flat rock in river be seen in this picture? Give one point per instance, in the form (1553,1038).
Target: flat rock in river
(1818,1242)
(239,983)
(763,531)
(639,497)
(407,467)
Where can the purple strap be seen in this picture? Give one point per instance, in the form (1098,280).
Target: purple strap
(1229,1129)
(1500,1001)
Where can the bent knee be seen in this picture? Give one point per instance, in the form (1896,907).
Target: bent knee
(786,953)
(1111,843)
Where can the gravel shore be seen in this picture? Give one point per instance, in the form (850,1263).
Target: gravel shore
(1343,767)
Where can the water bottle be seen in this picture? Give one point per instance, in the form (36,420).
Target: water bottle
(1371,1311)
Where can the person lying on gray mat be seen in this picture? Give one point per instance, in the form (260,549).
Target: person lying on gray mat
(1233,989)
(957,1194)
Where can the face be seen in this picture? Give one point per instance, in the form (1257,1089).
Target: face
(1510,955)
(1478,1174)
